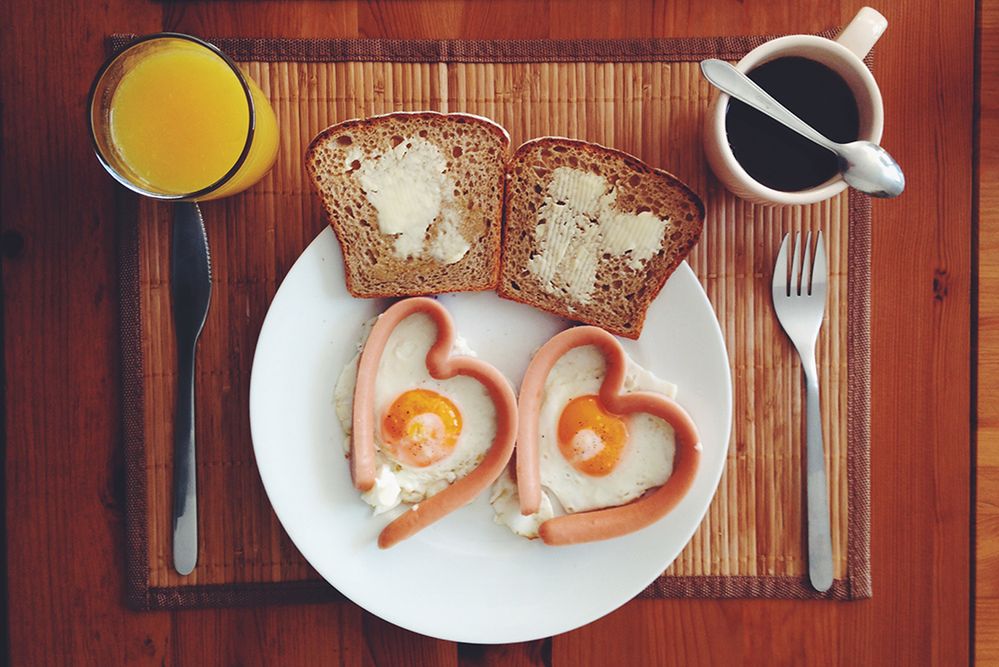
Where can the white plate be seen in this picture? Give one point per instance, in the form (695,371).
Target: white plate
(464,578)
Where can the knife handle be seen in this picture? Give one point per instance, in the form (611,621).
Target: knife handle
(190,294)
(185,482)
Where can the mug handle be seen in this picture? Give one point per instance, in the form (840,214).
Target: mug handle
(863,31)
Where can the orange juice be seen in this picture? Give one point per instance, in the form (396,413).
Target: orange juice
(179,121)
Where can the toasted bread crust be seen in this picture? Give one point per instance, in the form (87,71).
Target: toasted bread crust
(478,270)
(685,210)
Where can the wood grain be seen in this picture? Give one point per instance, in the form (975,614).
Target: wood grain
(987,429)
(63,459)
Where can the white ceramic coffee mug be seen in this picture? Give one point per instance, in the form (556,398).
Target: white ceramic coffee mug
(844,55)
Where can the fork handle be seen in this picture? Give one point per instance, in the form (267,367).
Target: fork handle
(820,567)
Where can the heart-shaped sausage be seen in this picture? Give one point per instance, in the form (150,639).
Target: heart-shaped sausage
(610,522)
(440,366)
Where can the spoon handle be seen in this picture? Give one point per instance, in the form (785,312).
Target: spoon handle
(728,79)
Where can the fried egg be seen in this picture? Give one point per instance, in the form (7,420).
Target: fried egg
(506,507)
(589,457)
(429,432)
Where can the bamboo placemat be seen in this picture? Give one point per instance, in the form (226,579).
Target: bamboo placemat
(643,96)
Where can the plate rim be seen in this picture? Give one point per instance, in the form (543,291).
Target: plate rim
(386,614)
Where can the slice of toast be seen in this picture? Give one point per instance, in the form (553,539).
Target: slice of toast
(415,200)
(592,233)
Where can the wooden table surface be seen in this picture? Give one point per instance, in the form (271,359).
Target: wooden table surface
(62,448)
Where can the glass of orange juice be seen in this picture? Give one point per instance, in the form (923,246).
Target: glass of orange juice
(174,118)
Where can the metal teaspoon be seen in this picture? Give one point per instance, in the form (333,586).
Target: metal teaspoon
(864,165)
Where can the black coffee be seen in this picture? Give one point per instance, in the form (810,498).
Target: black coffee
(776,156)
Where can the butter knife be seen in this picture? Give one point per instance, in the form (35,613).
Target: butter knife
(191,291)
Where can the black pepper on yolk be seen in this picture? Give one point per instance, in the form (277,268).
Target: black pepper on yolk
(421,427)
(591,438)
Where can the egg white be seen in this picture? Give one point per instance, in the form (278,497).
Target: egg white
(647,460)
(403,368)
(506,507)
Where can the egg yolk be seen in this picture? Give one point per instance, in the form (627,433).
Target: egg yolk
(421,427)
(590,438)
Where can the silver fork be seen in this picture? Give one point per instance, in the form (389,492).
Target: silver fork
(800,305)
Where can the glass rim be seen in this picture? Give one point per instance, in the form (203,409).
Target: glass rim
(129,183)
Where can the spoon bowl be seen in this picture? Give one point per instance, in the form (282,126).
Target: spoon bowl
(869,168)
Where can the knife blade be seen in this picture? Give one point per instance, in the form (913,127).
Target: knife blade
(191,291)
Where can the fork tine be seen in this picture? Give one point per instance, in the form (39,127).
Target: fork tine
(780,268)
(796,266)
(806,267)
(819,271)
